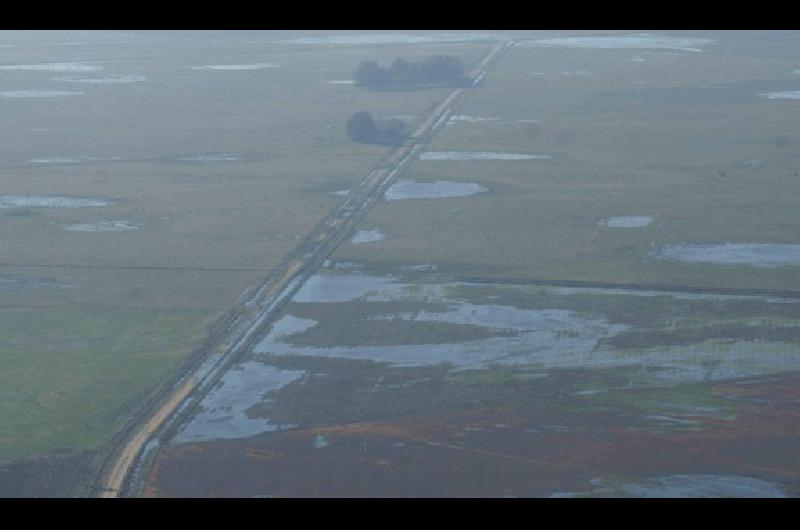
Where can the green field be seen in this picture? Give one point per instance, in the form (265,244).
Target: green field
(682,138)
(92,322)
(70,376)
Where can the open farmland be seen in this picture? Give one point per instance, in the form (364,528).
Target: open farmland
(577,277)
(681,137)
(584,287)
(137,209)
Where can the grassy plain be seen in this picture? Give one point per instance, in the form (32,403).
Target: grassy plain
(92,321)
(681,137)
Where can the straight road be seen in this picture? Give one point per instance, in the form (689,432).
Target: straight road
(250,318)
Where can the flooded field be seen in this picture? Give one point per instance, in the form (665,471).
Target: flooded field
(398,38)
(412,379)
(630,41)
(586,285)
(682,486)
(101,226)
(215,157)
(627,222)
(253,66)
(38,93)
(478,155)
(367,236)
(224,410)
(108,80)
(461,118)
(54,67)
(788,94)
(40,201)
(409,189)
(754,254)
(153,194)
(73,160)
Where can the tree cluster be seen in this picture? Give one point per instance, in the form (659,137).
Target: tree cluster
(438,70)
(361,127)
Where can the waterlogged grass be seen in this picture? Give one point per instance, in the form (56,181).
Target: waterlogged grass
(68,376)
(685,401)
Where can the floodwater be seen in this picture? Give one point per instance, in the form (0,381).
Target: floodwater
(41,201)
(478,155)
(367,236)
(539,347)
(683,486)
(218,157)
(589,401)
(101,226)
(224,409)
(463,118)
(398,38)
(626,222)
(13,282)
(754,254)
(541,339)
(38,93)
(73,160)
(441,189)
(629,41)
(788,94)
(54,67)
(108,80)
(254,66)
(523,336)
(340,288)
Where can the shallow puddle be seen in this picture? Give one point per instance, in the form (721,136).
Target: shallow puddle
(101,226)
(462,118)
(788,94)
(37,93)
(367,236)
(683,486)
(441,189)
(73,160)
(12,282)
(254,66)
(336,288)
(41,201)
(478,155)
(628,41)
(108,80)
(54,67)
(754,254)
(217,157)
(626,222)
(397,38)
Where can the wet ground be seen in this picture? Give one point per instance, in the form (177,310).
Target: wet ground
(478,155)
(753,254)
(409,189)
(403,383)
(41,201)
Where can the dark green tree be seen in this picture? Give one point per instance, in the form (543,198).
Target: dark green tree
(361,127)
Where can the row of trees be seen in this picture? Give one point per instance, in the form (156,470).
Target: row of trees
(361,127)
(438,70)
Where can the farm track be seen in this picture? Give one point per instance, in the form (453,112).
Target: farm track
(160,415)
